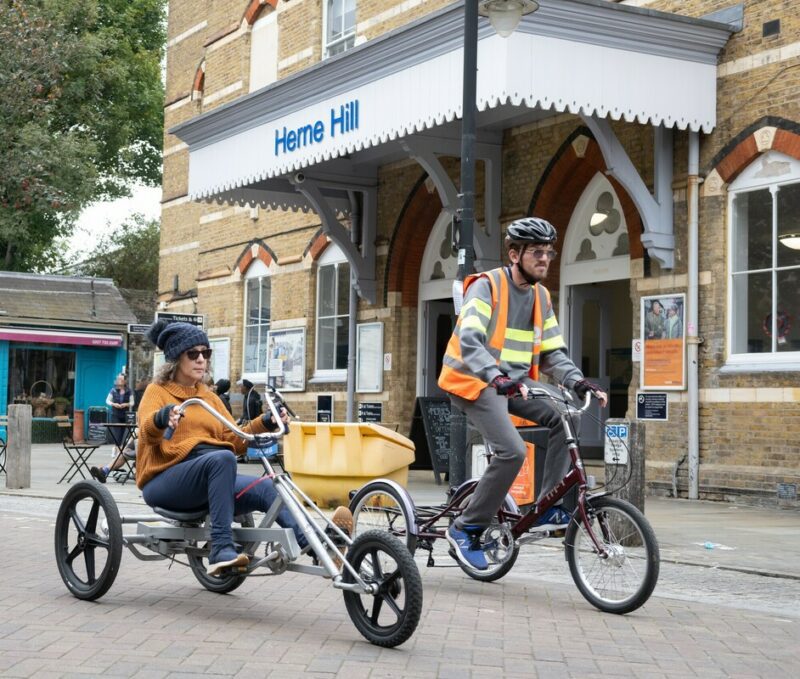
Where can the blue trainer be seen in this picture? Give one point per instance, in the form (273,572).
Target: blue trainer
(466,547)
(554,518)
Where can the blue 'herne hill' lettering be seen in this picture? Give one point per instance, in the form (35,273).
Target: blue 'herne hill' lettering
(343,120)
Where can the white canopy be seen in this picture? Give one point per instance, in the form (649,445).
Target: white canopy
(580,56)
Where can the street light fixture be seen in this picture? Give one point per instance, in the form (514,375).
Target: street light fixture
(505,15)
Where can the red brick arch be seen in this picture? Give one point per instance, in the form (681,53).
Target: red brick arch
(262,252)
(199,82)
(254,9)
(414,225)
(317,245)
(564,181)
(744,148)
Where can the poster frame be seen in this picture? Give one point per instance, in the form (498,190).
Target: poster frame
(666,300)
(377,386)
(295,338)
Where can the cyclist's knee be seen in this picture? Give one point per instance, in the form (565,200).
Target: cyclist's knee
(224,459)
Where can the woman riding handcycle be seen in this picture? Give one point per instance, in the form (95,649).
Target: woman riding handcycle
(188,474)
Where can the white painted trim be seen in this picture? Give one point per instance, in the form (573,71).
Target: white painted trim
(759,60)
(180,102)
(190,31)
(174,149)
(224,92)
(386,15)
(292,59)
(175,202)
(175,249)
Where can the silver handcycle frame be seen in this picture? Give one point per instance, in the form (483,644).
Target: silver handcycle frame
(166,539)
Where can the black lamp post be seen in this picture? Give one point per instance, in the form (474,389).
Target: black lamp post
(504,16)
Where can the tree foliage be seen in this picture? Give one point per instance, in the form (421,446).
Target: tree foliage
(81,114)
(128,255)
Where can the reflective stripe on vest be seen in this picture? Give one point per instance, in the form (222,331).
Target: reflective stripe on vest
(503,343)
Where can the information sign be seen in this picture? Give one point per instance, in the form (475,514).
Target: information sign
(651,405)
(194,319)
(616,444)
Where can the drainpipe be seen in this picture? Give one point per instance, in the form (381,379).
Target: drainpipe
(692,338)
(355,237)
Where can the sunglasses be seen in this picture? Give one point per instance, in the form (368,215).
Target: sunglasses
(193,354)
(538,254)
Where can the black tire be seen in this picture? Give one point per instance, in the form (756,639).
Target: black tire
(88,540)
(379,506)
(496,570)
(625,580)
(227,582)
(389,617)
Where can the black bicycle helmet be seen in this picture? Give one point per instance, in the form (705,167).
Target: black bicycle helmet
(531,230)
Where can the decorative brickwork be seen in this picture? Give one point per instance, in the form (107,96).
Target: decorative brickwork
(256,250)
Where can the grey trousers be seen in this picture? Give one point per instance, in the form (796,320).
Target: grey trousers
(489,415)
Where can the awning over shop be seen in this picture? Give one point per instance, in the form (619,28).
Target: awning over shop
(586,57)
(61,337)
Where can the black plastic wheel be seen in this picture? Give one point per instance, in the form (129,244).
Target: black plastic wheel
(379,506)
(389,617)
(505,551)
(624,579)
(225,582)
(88,540)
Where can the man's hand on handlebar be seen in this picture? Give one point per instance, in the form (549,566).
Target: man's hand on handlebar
(505,386)
(584,386)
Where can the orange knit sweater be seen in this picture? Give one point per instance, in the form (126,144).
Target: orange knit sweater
(155,454)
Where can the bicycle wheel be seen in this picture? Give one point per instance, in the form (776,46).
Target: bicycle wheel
(88,540)
(226,582)
(379,506)
(390,616)
(501,551)
(624,579)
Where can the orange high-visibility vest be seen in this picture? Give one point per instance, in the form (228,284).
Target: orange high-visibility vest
(456,377)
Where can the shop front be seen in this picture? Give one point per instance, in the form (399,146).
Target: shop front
(53,364)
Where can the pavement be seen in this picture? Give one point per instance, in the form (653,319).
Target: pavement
(715,535)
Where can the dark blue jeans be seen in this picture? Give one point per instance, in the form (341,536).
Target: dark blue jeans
(210,478)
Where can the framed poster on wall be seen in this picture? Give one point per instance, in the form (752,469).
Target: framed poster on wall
(220,359)
(286,359)
(663,363)
(369,358)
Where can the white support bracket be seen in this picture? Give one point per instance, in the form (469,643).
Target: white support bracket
(362,262)
(655,209)
(426,151)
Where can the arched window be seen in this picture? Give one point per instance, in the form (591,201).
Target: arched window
(764,256)
(333,295)
(257,308)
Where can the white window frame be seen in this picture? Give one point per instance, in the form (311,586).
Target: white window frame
(333,256)
(257,270)
(749,181)
(350,35)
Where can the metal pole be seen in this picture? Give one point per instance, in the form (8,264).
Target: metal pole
(466,253)
(692,337)
(355,237)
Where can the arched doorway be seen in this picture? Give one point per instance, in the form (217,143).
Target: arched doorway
(596,308)
(437,316)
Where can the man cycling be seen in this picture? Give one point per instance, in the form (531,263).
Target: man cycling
(507,332)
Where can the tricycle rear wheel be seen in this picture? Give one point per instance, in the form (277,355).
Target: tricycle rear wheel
(227,581)
(390,616)
(88,540)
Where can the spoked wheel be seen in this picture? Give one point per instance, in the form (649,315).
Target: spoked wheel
(499,547)
(227,581)
(390,616)
(88,540)
(623,580)
(379,506)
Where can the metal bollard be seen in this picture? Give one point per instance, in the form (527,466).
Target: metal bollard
(18,451)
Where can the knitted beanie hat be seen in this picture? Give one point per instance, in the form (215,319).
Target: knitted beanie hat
(175,338)
(222,386)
